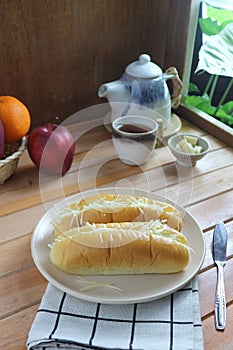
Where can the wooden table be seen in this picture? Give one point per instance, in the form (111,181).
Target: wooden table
(210,200)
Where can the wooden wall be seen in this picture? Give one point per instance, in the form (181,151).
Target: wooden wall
(54,54)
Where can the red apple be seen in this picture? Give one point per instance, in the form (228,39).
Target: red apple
(1,139)
(51,148)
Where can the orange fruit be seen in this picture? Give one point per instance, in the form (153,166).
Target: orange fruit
(15,118)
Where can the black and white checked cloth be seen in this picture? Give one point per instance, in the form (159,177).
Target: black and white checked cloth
(170,323)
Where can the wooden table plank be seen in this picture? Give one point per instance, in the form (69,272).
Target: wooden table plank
(14,329)
(212,210)
(15,255)
(20,290)
(24,199)
(20,223)
(218,340)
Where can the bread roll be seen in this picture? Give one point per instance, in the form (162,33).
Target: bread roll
(123,248)
(107,208)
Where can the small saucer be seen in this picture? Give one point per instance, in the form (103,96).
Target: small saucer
(173,127)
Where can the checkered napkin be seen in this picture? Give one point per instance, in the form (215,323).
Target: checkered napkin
(170,323)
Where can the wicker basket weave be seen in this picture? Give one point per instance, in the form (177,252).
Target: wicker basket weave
(9,162)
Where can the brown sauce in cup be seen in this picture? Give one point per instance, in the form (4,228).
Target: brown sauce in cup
(136,129)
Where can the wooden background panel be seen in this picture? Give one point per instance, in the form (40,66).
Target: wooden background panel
(56,53)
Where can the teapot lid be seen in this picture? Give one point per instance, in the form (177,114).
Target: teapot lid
(143,68)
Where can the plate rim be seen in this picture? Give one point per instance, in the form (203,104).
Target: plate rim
(113,300)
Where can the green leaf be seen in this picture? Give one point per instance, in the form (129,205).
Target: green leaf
(198,101)
(220,15)
(224,24)
(224,117)
(212,27)
(228,107)
(206,107)
(193,88)
(209,27)
(216,54)
(203,104)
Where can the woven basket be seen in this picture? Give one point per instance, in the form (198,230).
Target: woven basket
(9,162)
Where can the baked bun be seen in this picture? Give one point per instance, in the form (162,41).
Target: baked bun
(120,248)
(107,208)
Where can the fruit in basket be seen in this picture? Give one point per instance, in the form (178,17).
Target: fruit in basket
(15,118)
(51,148)
(1,139)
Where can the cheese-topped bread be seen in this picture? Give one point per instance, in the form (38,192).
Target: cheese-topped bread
(109,208)
(120,248)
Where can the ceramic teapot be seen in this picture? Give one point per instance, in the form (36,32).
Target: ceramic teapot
(143,87)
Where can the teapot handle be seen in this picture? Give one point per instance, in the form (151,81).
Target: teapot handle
(171,73)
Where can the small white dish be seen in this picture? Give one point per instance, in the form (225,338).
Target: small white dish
(186,159)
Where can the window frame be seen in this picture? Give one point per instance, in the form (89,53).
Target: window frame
(192,114)
(208,123)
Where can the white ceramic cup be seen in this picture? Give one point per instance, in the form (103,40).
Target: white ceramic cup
(134,138)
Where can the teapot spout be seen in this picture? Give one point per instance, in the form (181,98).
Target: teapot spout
(115,91)
(103,91)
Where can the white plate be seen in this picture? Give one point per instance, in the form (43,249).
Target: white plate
(136,288)
(173,127)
